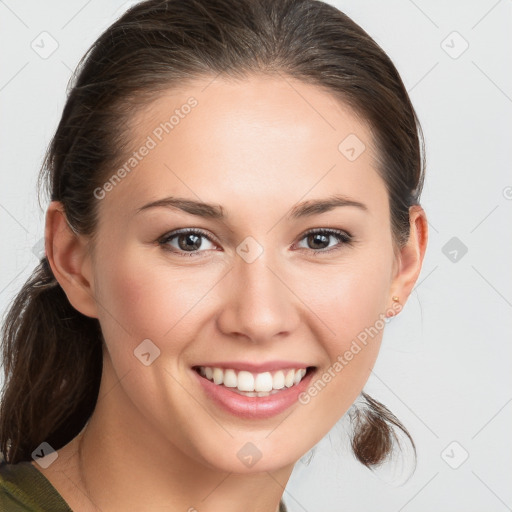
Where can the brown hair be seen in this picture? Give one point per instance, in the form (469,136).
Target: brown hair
(52,354)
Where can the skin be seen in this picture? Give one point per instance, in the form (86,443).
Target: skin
(257,147)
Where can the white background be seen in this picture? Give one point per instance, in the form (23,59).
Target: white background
(445,363)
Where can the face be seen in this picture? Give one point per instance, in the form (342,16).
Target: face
(249,283)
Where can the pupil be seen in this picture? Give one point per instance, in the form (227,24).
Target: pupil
(192,241)
(319,238)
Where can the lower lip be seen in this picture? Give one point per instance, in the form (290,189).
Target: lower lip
(254,407)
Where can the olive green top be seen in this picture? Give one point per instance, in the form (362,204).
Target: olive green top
(23,488)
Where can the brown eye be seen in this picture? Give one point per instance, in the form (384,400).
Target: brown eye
(319,240)
(186,241)
(189,241)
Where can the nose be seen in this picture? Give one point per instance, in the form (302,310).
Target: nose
(259,303)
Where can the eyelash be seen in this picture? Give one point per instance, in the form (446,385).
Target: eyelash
(344,237)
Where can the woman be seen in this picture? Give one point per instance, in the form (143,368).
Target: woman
(234,217)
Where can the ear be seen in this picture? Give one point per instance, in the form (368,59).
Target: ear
(69,260)
(410,256)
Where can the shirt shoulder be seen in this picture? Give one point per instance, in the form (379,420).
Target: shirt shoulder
(23,488)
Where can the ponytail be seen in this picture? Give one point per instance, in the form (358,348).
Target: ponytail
(52,359)
(374,431)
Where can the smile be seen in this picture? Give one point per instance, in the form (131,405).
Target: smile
(253,384)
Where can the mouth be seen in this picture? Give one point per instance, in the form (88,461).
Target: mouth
(251,395)
(255,384)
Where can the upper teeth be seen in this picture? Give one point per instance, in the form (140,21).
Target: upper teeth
(247,381)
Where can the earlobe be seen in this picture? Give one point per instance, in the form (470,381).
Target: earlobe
(411,255)
(68,258)
(395,308)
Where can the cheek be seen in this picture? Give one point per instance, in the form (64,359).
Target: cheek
(352,296)
(350,301)
(142,300)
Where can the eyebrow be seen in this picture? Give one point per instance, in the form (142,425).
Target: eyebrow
(215,211)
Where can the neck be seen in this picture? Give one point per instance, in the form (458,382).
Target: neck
(125,463)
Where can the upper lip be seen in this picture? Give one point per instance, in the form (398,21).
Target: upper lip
(269,366)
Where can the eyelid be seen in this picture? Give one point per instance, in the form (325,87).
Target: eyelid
(181,231)
(341,232)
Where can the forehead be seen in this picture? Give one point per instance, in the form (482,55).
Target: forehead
(258,141)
